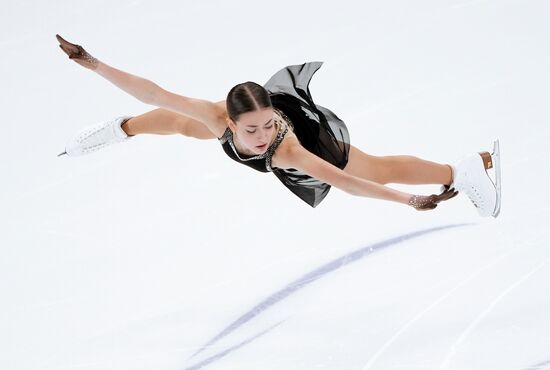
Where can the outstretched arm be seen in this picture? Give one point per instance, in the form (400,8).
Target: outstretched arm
(294,155)
(210,113)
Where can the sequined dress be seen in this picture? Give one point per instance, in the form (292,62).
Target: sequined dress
(317,128)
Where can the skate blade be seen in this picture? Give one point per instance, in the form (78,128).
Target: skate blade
(60,154)
(492,161)
(496,163)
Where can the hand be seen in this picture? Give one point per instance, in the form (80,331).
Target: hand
(424,203)
(77,53)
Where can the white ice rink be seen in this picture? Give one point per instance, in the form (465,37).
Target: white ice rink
(164,254)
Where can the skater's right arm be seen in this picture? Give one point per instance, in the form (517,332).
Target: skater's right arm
(210,113)
(150,93)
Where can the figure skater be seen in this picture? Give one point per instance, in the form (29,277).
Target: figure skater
(278,128)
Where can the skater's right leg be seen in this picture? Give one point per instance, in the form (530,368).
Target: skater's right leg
(120,129)
(164,122)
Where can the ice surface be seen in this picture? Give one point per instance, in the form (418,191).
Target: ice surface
(124,260)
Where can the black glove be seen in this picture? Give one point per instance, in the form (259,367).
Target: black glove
(427,202)
(77,53)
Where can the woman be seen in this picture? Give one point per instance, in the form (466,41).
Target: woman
(278,128)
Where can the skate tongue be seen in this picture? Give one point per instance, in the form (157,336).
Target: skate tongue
(487,160)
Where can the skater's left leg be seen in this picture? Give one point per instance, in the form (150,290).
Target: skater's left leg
(398,169)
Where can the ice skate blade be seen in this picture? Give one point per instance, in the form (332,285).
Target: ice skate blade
(497,165)
(492,161)
(60,154)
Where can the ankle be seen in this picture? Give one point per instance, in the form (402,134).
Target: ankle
(451,177)
(127,128)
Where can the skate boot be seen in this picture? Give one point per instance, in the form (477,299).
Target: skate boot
(471,177)
(96,137)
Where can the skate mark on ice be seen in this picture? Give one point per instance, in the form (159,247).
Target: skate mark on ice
(540,366)
(405,327)
(450,292)
(316,274)
(231,349)
(446,362)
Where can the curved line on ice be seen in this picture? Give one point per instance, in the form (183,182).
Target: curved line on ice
(218,356)
(318,273)
(539,366)
(373,358)
(452,351)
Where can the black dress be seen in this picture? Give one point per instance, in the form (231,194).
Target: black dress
(317,128)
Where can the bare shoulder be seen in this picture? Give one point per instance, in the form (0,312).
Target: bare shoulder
(220,125)
(285,152)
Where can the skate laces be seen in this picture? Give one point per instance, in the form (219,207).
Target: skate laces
(472,191)
(475,178)
(475,196)
(98,137)
(94,138)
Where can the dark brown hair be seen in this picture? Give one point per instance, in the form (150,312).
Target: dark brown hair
(246,97)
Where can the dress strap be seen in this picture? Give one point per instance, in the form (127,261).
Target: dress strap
(225,135)
(276,142)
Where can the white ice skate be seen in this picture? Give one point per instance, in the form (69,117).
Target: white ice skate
(471,177)
(96,137)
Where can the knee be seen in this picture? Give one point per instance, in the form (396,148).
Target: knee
(400,162)
(395,167)
(182,128)
(173,123)
(384,168)
(194,129)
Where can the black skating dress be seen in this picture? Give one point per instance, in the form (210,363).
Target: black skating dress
(317,128)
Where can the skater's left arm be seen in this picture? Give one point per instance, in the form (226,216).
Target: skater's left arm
(294,155)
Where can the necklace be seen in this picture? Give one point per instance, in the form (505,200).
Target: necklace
(281,120)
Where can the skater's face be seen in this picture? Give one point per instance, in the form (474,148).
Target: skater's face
(255,130)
